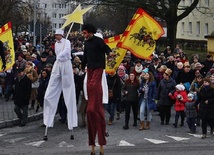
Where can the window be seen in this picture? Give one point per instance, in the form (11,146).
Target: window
(190,28)
(198,28)
(54,15)
(207,3)
(55,25)
(182,28)
(60,25)
(206,29)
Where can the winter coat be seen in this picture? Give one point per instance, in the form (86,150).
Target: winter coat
(43,84)
(206,110)
(164,88)
(132,90)
(179,103)
(22,91)
(190,109)
(151,92)
(114,83)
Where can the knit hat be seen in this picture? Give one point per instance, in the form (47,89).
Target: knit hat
(186,64)
(180,65)
(168,71)
(146,70)
(191,96)
(180,87)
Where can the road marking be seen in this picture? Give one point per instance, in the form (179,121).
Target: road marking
(125,143)
(178,138)
(37,144)
(155,141)
(1,134)
(195,135)
(14,140)
(64,144)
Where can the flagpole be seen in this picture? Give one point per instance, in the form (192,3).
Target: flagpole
(69,30)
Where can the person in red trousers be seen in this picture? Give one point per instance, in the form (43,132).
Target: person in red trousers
(95,50)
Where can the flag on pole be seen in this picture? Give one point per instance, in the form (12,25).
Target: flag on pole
(7,38)
(140,35)
(112,63)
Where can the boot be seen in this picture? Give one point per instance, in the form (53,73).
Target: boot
(147,125)
(118,115)
(141,125)
(203,136)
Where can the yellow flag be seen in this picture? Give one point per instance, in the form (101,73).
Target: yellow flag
(112,63)
(7,39)
(140,35)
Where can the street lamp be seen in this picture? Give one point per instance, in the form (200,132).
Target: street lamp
(34,23)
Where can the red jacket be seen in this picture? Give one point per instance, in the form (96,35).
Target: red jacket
(179,104)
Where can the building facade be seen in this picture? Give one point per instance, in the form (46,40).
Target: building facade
(53,11)
(198,23)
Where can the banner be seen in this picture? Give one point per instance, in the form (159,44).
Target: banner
(112,63)
(7,38)
(140,35)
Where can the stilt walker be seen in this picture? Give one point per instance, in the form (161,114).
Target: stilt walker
(94,57)
(62,79)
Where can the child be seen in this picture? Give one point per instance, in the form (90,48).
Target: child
(180,97)
(191,113)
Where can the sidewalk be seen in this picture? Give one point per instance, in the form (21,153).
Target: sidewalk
(8,117)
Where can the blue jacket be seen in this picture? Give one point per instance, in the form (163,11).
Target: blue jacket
(151,92)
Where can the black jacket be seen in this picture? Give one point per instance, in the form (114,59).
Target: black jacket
(164,88)
(115,84)
(94,53)
(206,110)
(22,91)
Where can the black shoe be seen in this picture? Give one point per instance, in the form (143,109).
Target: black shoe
(62,121)
(126,127)
(204,136)
(43,125)
(175,125)
(7,99)
(31,108)
(22,124)
(135,124)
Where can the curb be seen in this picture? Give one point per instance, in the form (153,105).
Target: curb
(14,122)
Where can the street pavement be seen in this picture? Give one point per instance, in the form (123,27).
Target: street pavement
(159,140)
(8,117)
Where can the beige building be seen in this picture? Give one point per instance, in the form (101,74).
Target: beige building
(198,23)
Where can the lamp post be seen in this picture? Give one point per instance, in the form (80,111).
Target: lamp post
(34,23)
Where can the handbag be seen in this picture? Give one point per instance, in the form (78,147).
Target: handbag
(35,84)
(110,91)
(152,105)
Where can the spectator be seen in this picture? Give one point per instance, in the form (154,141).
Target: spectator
(166,85)
(180,98)
(22,96)
(147,99)
(206,106)
(130,91)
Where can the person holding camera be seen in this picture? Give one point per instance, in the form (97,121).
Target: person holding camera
(180,97)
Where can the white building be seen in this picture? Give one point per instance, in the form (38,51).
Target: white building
(199,23)
(54,10)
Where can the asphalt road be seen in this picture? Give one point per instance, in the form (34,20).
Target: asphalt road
(159,140)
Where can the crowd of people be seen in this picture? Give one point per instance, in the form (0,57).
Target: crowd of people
(169,79)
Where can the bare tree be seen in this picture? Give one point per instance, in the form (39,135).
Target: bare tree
(166,10)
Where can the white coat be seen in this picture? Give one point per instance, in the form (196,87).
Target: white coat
(62,79)
(104,87)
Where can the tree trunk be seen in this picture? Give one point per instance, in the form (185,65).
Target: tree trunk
(171,34)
